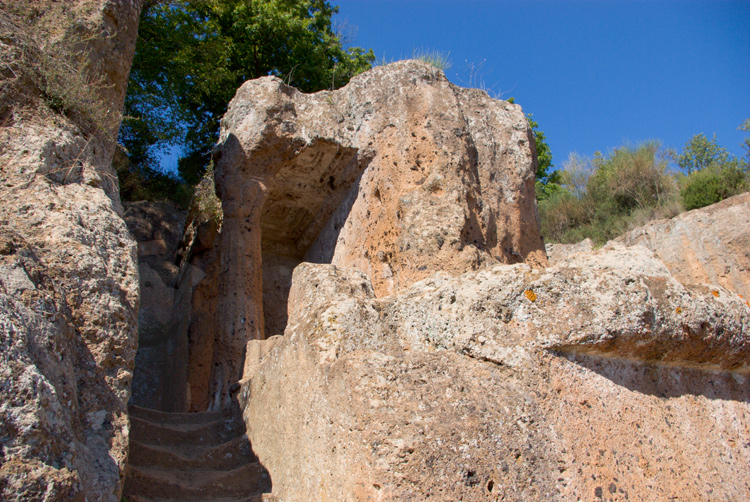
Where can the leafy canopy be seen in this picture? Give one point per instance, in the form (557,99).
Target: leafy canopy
(699,153)
(192,55)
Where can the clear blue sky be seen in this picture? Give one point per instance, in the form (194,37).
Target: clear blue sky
(595,74)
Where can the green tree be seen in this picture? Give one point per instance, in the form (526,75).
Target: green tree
(699,153)
(192,55)
(745,126)
(546,182)
(713,174)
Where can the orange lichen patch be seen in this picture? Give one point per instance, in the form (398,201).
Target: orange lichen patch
(715,293)
(678,310)
(530,295)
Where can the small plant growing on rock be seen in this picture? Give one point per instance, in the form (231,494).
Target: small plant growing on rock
(57,74)
(439,59)
(206,204)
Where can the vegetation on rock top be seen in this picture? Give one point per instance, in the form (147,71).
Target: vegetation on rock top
(603,197)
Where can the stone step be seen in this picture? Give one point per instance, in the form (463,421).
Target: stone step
(263,497)
(198,434)
(246,481)
(167,418)
(224,456)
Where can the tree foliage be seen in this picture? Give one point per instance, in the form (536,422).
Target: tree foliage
(745,126)
(192,55)
(713,174)
(700,153)
(713,184)
(546,182)
(604,196)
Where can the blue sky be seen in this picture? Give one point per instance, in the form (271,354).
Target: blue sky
(595,74)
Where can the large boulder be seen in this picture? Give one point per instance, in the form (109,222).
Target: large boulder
(707,245)
(599,377)
(68,271)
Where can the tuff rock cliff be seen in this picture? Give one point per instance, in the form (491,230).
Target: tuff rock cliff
(68,276)
(421,356)
(389,231)
(709,245)
(399,174)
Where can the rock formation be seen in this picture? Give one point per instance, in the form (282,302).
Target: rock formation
(420,357)
(599,377)
(708,245)
(160,376)
(68,276)
(399,174)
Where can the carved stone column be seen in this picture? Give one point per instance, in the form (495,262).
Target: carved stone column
(240,302)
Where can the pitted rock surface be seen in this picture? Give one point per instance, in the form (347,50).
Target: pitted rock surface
(599,376)
(399,174)
(68,271)
(707,245)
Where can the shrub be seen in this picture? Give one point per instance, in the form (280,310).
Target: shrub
(713,184)
(206,205)
(631,178)
(604,197)
(561,212)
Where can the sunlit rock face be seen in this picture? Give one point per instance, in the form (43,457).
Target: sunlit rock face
(399,174)
(68,271)
(427,352)
(601,374)
(707,245)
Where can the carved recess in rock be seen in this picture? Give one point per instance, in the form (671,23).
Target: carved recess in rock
(399,174)
(159,378)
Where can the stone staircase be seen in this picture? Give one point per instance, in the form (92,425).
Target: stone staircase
(192,457)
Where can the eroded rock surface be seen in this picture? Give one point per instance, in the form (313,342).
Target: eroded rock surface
(707,245)
(601,376)
(399,174)
(402,172)
(68,274)
(559,252)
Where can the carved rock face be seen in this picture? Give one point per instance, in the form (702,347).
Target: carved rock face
(399,174)
(599,375)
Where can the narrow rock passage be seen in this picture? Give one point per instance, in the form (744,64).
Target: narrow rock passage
(192,457)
